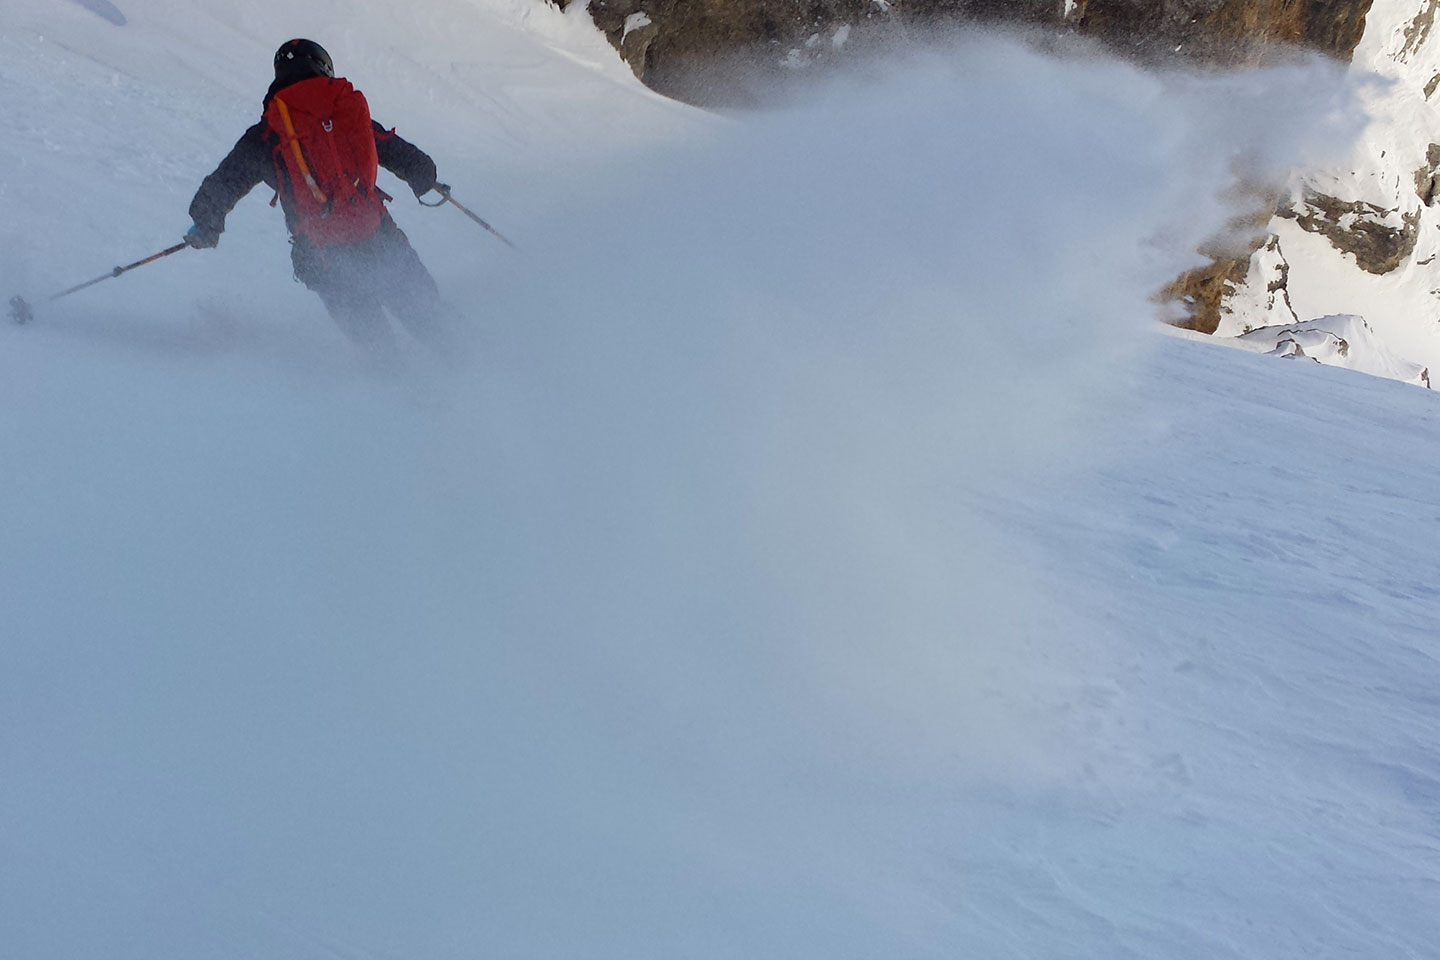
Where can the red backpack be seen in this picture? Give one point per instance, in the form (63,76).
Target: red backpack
(326,160)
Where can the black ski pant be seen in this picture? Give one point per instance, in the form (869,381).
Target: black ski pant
(359,281)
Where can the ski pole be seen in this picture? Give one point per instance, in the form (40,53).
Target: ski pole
(21,312)
(444,191)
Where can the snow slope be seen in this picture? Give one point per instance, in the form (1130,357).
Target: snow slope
(820,555)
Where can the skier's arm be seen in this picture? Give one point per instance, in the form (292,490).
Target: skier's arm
(243,167)
(405,160)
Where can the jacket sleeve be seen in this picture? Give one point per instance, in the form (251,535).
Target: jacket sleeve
(243,167)
(405,160)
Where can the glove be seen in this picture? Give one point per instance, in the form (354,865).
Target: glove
(202,238)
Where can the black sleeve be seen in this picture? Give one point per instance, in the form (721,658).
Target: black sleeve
(243,167)
(404,159)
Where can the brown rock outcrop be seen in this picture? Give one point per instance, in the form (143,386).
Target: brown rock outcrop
(1360,229)
(676,46)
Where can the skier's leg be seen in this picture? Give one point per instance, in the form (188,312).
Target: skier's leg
(345,284)
(408,290)
(359,317)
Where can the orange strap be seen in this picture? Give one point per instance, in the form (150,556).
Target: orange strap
(299,156)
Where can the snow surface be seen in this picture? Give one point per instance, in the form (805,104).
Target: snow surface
(819,555)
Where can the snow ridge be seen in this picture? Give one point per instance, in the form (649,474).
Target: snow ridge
(1340,341)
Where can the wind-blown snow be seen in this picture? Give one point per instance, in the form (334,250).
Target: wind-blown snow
(817,556)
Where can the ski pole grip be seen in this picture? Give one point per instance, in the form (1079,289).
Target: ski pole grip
(441,188)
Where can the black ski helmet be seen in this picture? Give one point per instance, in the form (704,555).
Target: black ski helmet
(300,59)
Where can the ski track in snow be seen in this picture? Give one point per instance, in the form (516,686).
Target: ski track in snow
(810,559)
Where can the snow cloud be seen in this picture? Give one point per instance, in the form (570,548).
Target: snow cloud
(665,624)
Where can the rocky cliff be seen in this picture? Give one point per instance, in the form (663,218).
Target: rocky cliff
(680,46)
(1363,236)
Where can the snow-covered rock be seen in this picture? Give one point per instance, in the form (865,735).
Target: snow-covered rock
(1262,298)
(1361,234)
(1343,340)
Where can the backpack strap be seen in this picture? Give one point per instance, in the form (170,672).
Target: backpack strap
(300,163)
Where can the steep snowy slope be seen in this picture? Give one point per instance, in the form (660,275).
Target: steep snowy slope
(112,129)
(820,556)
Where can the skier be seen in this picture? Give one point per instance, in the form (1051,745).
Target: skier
(318,148)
